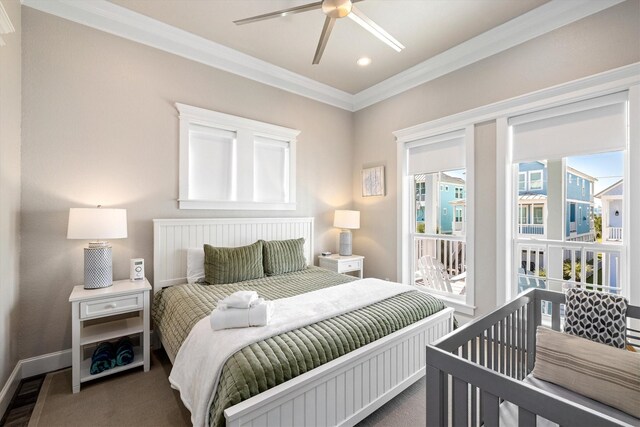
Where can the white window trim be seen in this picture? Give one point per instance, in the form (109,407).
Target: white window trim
(504,181)
(541,172)
(244,128)
(405,193)
(523,181)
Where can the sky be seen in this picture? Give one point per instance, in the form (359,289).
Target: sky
(608,168)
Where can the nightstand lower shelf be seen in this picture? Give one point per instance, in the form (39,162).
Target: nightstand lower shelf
(109,330)
(85,366)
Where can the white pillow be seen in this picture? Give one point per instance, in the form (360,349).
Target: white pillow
(195,265)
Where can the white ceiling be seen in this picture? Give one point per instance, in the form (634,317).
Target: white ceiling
(425,27)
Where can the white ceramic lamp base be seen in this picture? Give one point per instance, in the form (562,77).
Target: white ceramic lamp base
(98,272)
(345,243)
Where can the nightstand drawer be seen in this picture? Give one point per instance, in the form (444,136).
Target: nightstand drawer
(108,306)
(354,265)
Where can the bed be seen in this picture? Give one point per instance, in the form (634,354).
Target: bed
(339,370)
(480,375)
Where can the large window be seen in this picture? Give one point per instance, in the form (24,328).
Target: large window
(229,162)
(579,194)
(435,247)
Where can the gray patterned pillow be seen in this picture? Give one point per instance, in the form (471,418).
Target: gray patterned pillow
(597,316)
(231,265)
(283,256)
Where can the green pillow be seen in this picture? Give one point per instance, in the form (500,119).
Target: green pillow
(283,256)
(231,265)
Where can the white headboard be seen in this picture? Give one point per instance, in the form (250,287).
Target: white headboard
(172,238)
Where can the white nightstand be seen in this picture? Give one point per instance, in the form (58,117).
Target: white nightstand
(125,296)
(343,264)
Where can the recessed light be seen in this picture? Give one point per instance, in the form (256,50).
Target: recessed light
(283,14)
(364,61)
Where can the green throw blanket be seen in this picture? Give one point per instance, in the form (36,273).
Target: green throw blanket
(266,364)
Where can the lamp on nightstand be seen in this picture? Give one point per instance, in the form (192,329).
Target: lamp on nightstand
(347,221)
(98,224)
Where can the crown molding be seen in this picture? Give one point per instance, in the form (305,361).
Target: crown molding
(608,82)
(122,22)
(539,21)
(6,26)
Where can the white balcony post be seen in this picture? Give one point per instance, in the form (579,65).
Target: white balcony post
(556,226)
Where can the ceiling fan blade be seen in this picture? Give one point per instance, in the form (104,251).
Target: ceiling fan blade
(283,12)
(324,38)
(366,23)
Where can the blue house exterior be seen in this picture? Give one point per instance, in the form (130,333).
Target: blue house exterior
(532,202)
(579,208)
(451,196)
(451,189)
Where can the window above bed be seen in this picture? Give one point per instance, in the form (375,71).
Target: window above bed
(229,162)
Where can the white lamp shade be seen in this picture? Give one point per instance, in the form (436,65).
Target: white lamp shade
(97,223)
(346,219)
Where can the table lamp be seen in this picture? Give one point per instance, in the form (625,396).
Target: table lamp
(97,224)
(346,220)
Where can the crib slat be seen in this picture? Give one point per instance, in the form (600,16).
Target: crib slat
(516,353)
(523,359)
(555,316)
(496,351)
(533,314)
(490,347)
(490,409)
(507,347)
(514,328)
(460,409)
(437,398)
(526,418)
(474,390)
(503,334)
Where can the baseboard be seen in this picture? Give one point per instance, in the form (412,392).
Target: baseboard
(10,387)
(46,363)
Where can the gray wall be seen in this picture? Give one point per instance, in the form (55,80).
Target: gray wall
(9,190)
(99,126)
(601,42)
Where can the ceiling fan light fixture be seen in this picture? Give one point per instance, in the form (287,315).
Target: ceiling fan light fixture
(337,8)
(364,61)
(375,29)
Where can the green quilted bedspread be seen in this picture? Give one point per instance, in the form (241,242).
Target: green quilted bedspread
(266,364)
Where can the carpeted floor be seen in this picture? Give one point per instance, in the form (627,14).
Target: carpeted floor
(136,398)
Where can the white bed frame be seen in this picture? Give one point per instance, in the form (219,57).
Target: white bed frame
(342,392)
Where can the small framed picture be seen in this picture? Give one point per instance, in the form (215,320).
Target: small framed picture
(373,181)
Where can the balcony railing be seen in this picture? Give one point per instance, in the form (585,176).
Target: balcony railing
(557,265)
(614,234)
(531,229)
(448,253)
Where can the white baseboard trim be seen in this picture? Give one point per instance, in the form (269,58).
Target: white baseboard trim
(10,387)
(46,363)
(30,367)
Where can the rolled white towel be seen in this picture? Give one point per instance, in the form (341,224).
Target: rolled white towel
(240,299)
(257,315)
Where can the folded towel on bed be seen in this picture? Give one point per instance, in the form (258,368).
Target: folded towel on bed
(103,358)
(124,351)
(256,315)
(240,299)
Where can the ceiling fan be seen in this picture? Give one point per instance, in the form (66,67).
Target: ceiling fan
(333,9)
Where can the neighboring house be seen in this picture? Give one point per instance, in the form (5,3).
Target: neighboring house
(532,198)
(452,203)
(579,218)
(532,202)
(612,212)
